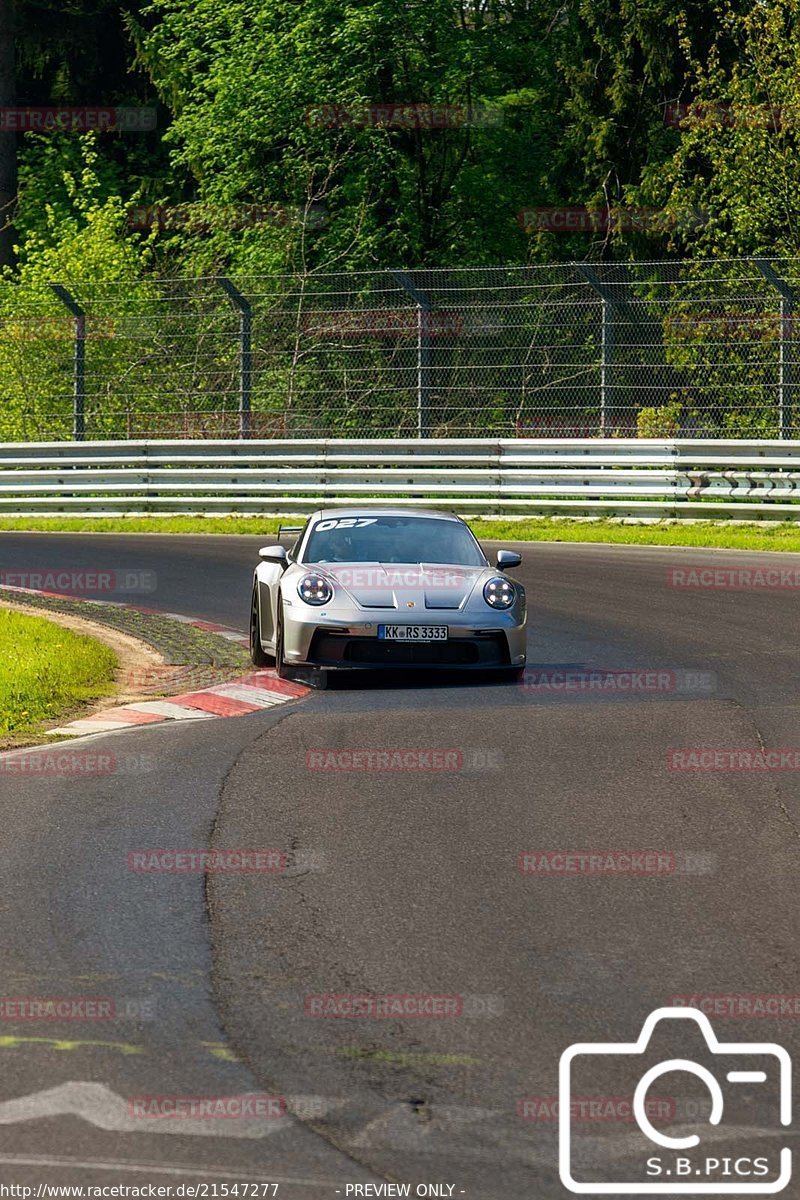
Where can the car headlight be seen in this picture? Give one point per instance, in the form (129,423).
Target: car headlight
(499,593)
(314,589)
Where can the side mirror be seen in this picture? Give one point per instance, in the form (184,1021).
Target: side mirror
(507,559)
(275,554)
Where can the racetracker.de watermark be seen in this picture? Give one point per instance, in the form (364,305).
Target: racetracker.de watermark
(402,116)
(381,578)
(734,579)
(57,329)
(594,1108)
(205,218)
(382,323)
(438,759)
(608,219)
(247,861)
(738,758)
(756,1004)
(596,862)
(745,326)
(725,114)
(350,1006)
(248,1106)
(67,581)
(77,1008)
(57,1008)
(69,119)
(161,678)
(57,760)
(615,681)
(389,759)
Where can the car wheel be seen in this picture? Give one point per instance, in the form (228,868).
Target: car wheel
(257,655)
(281,669)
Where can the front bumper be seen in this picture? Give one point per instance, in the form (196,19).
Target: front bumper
(311,639)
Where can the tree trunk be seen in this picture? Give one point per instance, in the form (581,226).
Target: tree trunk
(8,140)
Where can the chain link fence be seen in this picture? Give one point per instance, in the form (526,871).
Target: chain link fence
(693,349)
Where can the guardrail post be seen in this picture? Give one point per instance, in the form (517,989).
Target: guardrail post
(245,310)
(78,361)
(784,346)
(423,352)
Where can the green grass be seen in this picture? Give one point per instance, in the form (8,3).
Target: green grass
(47,673)
(721,534)
(252,525)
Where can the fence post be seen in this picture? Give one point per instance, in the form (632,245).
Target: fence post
(245,310)
(423,353)
(609,300)
(784,352)
(78,361)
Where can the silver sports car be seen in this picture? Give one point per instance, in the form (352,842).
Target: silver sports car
(370,587)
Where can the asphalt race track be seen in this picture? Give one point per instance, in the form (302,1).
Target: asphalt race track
(404,883)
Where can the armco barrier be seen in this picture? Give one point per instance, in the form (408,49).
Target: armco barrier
(681,478)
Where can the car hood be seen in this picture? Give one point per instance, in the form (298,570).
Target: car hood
(405,585)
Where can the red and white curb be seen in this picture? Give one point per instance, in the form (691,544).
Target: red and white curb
(234,698)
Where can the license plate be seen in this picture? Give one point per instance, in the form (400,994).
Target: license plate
(413,633)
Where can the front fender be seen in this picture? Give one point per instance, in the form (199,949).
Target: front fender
(266,581)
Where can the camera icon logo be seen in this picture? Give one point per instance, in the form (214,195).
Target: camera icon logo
(679,1172)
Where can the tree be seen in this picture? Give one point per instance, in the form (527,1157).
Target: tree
(8,139)
(247,81)
(621,64)
(736,160)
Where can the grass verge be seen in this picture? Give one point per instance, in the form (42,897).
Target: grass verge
(719,534)
(46,672)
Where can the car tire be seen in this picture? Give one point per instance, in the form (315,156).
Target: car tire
(257,656)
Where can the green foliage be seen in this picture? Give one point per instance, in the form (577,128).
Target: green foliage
(737,157)
(661,422)
(577,93)
(78,239)
(244,80)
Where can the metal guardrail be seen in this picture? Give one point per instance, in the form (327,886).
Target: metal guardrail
(676,478)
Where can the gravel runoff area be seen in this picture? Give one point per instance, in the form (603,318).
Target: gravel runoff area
(192,657)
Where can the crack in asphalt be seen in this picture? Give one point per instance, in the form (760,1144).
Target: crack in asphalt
(774,782)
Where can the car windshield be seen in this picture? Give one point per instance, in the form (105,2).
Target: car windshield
(392,540)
